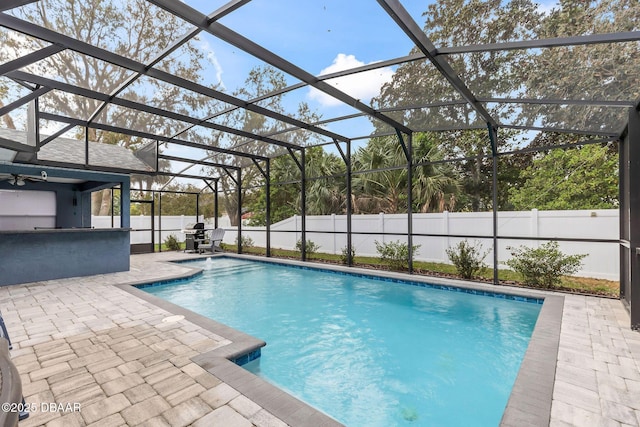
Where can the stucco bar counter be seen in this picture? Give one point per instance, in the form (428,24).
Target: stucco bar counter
(45,254)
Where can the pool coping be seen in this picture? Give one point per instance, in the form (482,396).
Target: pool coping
(529,402)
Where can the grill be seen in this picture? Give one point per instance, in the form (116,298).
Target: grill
(194,233)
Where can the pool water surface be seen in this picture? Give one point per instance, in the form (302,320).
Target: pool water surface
(368,352)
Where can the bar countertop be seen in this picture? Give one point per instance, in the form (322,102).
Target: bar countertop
(63,230)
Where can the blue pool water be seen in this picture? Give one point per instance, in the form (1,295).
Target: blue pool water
(369,352)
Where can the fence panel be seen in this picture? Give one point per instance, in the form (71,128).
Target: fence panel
(602,260)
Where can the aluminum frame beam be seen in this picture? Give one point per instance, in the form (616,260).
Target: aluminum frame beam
(198,19)
(268,205)
(404,20)
(239,217)
(349,205)
(24,100)
(16,146)
(110,128)
(493,138)
(612,134)
(25,27)
(198,122)
(131,79)
(367,67)
(61,132)
(528,44)
(566,41)
(543,101)
(142,107)
(555,101)
(591,39)
(215,149)
(30,58)
(629,175)
(90,167)
(554,147)
(180,175)
(10,4)
(197,162)
(427,105)
(407,147)
(621,37)
(222,11)
(303,203)
(226,9)
(88,93)
(216,207)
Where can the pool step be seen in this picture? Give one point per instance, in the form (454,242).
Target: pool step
(234,269)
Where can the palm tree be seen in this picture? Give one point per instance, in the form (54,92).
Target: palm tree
(386,189)
(326,195)
(434,184)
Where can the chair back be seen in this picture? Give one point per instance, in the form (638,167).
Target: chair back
(217,234)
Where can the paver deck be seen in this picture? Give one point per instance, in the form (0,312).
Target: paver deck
(126,361)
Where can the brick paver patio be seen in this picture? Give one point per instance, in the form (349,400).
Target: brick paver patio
(126,361)
(598,371)
(88,342)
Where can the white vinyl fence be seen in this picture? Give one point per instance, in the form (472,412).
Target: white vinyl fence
(170,225)
(602,260)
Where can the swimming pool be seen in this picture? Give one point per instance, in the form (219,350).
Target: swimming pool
(368,352)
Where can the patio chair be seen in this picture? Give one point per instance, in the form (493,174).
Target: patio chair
(10,383)
(3,332)
(215,238)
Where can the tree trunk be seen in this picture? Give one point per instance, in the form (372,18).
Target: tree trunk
(8,121)
(105,203)
(96,202)
(231,206)
(101,203)
(230,202)
(394,202)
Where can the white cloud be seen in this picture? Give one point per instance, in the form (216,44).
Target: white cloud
(361,86)
(213,59)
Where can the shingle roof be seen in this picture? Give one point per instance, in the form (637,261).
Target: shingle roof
(67,150)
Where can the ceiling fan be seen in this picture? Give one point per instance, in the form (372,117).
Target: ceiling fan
(20,180)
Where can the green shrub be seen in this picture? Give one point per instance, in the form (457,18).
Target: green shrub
(344,257)
(545,265)
(396,254)
(245,241)
(171,243)
(467,258)
(310,247)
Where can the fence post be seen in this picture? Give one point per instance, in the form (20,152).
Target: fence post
(333,228)
(445,230)
(295,227)
(381,215)
(534,225)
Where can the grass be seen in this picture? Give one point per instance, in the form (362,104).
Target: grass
(573,284)
(166,249)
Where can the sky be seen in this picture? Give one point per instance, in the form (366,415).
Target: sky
(320,37)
